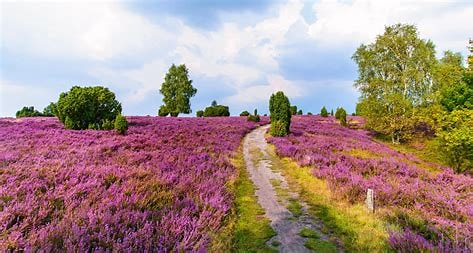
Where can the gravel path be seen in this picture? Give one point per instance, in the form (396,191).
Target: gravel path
(287,226)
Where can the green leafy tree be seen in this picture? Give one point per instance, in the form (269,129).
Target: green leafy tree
(323,112)
(50,110)
(87,107)
(395,76)
(177,90)
(200,113)
(456,139)
(280,114)
(293,110)
(28,111)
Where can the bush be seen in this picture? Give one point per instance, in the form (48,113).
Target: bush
(309,113)
(280,110)
(343,118)
(244,113)
(293,110)
(254,118)
(108,124)
(121,124)
(217,111)
(87,106)
(324,112)
(299,112)
(50,110)
(255,112)
(278,128)
(28,111)
(163,111)
(339,111)
(199,113)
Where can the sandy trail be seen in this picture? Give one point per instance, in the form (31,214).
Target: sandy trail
(286,225)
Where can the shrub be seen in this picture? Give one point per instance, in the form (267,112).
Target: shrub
(216,110)
(108,124)
(244,113)
(309,113)
(278,128)
(299,112)
(28,111)
(253,118)
(87,106)
(200,113)
(339,111)
(280,110)
(293,110)
(343,117)
(323,112)
(121,124)
(50,110)
(255,112)
(163,111)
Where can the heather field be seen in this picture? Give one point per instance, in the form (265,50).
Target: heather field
(160,187)
(426,206)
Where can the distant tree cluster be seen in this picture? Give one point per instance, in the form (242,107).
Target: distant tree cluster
(216,110)
(280,114)
(30,111)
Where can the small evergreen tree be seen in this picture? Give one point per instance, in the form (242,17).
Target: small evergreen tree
(299,112)
(343,118)
(244,113)
(280,113)
(121,124)
(323,112)
(293,110)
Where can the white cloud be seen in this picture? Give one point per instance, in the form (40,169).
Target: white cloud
(13,97)
(340,23)
(257,93)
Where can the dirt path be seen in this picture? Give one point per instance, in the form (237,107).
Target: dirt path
(286,224)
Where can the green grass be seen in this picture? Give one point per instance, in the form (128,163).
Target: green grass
(309,233)
(317,245)
(294,207)
(281,193)
(358,229)
(251,229)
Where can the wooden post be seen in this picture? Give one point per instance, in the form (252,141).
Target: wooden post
(370,200)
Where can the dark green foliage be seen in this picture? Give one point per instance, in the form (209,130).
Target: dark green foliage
(216,110)
(200,113)
(253,118)
(163,111)
(278,128)
(342,116)
(323,112)
(331,112)
(459,95)
(299,112)
(244,113)
(309,113)
(255,112)
(28,111)
(293,110)
(339,111)
(177,90)
(279,113)
(82,107)
(50,110)
(121,124)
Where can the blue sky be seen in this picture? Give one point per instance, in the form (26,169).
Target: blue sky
(238,52)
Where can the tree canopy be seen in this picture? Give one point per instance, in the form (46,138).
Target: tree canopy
(177,90)
(395,76)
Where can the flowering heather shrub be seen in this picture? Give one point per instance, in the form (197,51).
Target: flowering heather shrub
(162,187)
(352,162)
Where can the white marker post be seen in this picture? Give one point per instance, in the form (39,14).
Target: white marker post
(370,200)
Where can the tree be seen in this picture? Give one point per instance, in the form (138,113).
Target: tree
(280,114)
(342,117)
(395,76)
(470,57)
(293,110)
(323,112)
(214,103)
(87,107)
(339,111)
(456,139)
(200,113)
(177,90)
(28,111)
(299,112)
(50,110)
(121,124)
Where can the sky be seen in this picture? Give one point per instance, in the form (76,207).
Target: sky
(237,52)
